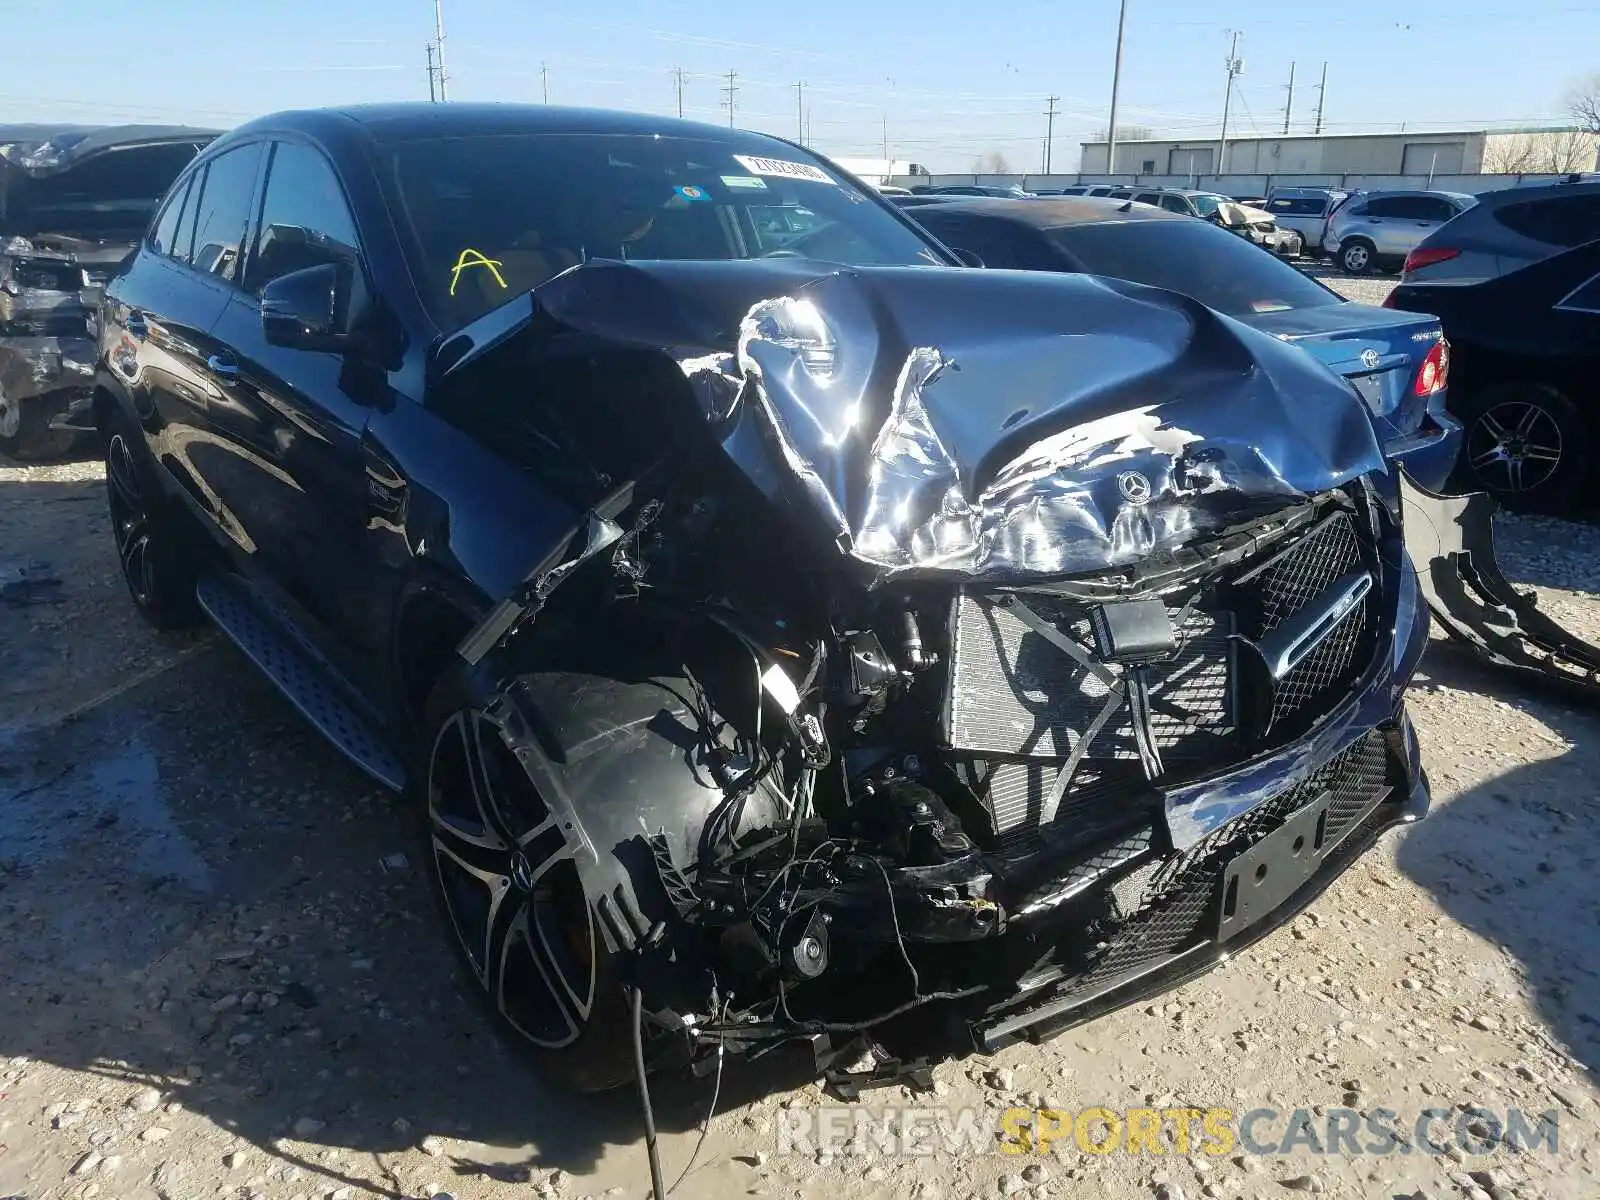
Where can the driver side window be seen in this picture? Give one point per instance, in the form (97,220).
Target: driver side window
(305,220)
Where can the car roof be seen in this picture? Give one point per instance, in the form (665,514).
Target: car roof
(1373,195)
(1527,192)
(1052,212)
(421,119)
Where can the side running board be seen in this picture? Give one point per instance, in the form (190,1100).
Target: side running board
(306,679)
(1451,540)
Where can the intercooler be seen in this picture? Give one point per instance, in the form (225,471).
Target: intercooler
(1019,706)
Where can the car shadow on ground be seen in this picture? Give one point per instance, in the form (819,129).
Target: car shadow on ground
(1514,858)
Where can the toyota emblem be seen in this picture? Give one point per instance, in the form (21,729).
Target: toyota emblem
(1369,359)
(1135,488)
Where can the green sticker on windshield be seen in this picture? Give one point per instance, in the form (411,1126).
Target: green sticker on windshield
(747,182)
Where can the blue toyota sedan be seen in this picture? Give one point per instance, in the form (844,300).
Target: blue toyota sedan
(1398,361)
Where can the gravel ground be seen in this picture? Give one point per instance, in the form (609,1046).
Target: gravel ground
(219,980)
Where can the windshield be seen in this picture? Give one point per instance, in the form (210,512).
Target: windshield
(494,216)
(1220,270)
(1206,203)
(112,192)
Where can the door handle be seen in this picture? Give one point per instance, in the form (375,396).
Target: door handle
(224,368)
(137,327)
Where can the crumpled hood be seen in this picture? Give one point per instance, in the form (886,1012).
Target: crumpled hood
(41,150)
(986,424)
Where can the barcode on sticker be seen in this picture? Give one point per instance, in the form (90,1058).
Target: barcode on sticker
(782,168)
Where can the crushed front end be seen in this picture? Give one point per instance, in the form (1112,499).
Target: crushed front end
(1048,640)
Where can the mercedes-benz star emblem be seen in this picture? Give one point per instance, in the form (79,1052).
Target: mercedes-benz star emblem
(521,871)
(1135,487)
(1370,359)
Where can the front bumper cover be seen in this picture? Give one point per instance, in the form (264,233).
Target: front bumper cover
(1453,537)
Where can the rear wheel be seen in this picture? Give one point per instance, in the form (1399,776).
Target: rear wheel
(1528,445)
(1357,257)
(155,553)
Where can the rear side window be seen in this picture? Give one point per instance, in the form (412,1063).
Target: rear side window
(1149,197)
(223,211)
(1121,194)
(993,241)
(1556,221)
(1176,204)
(163,238)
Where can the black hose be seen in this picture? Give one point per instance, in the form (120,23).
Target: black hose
(657,1184)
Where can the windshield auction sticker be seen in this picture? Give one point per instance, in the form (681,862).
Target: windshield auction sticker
(782,168)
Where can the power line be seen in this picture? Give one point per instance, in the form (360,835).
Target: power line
(438,33)
(1116,82)
(1050,132)
(1234,65)
(679,75)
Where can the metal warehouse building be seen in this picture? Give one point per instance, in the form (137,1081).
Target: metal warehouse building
(1466,152)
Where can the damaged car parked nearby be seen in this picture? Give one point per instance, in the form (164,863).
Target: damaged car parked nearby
(778,640)
(73,203)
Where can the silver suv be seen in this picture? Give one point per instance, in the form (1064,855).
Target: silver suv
(1507,230)
(1378,229)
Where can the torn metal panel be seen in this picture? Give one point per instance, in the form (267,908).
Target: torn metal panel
(1477,605)
(995,425)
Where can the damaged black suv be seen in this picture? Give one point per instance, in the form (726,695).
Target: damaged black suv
(783,632)
(73,203)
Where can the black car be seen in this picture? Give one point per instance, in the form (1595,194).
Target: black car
(1526,349)
(74,200)
(776,640)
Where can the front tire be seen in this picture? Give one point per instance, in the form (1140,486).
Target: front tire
(504,876)
(1357,257)
(156,556)
(1528,445)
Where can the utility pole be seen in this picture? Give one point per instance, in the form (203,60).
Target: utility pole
(1049,132)
(544,82)
(433,92)
(1234,66)
(886,135)
(438,34)
(1322,89)
(679,76)
(1288,108)
(800,111)
(1116,80)
(730,89)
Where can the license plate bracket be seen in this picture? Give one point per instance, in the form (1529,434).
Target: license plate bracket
(1261,878)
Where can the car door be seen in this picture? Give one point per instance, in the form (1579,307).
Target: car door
(161,314)
(1400,222)
(293,418)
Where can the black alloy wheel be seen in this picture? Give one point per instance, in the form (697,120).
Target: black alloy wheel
(156,559)
(1527,444)
(504,874)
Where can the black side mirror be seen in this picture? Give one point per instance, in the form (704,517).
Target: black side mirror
(307,309)
(967,257)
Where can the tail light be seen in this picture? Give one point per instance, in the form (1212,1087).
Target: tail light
(1388,300)
(1427,256)
(1435,370)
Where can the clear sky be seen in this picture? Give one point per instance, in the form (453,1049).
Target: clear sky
(949,80)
